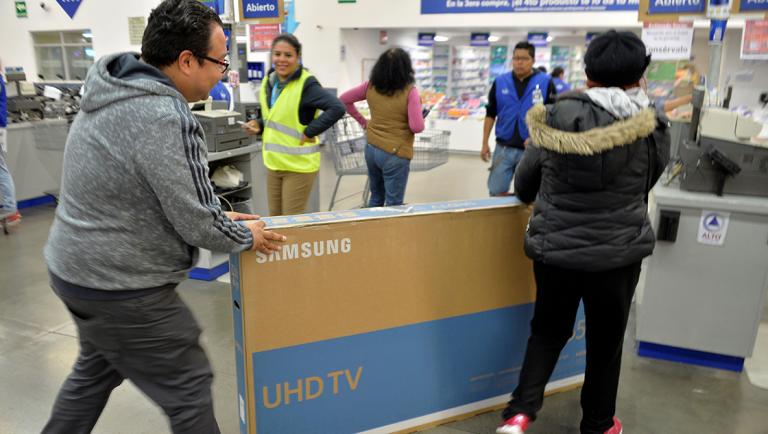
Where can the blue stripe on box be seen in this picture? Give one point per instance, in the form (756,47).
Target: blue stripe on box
(369,380)
(691,357)
(237,318)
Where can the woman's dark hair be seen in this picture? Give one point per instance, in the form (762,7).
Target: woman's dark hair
(175,26)
(558,71)
(288,39)
(393,72)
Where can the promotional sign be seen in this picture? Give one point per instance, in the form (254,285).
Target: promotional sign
(261,36)
(136,27)
(713,227)
(507,6)
(480,39)
(262,11)
(69,6)
(442,336)
(21,9)
(538,39)
(426,39)
(668,41)
(754,40)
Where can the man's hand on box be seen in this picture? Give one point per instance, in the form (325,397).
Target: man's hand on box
(238,216)
(263,240)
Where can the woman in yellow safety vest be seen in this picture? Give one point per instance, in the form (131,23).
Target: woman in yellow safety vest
(291,99)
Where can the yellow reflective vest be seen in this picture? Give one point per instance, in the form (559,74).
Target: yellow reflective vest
(283,130)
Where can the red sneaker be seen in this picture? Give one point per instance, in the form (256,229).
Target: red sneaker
(514,425)
(13,219)
(616,428)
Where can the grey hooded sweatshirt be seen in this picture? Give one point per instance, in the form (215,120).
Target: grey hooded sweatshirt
(135,194)
(589,169)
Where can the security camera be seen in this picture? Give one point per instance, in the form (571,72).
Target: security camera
(43,6)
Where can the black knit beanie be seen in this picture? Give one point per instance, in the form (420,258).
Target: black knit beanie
(616,59)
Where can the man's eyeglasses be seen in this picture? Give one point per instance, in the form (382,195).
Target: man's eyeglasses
(223,64)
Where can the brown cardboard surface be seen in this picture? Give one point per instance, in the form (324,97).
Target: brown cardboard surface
(382,274)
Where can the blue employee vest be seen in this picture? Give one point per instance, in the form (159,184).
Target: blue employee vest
(561,86)
(511,110)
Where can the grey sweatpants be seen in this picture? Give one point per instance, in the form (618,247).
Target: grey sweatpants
(151,340)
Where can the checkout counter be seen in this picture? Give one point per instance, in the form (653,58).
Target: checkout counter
(706,281)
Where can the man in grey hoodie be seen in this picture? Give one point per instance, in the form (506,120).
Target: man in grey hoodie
(135,202)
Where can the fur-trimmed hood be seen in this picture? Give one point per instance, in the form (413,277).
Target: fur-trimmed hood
(590,142)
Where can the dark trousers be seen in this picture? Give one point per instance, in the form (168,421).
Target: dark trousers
(607,296)
(151,340)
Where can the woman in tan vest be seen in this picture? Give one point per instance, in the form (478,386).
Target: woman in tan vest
(395,117)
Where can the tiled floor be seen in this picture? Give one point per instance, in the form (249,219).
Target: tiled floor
(38,346)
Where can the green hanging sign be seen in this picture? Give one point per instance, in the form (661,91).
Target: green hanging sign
(21,9)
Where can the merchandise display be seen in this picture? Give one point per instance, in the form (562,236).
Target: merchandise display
(421,58)
(470,69)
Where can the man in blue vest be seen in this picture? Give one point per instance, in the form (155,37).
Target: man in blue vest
(510,98)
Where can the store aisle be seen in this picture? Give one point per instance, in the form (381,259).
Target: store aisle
(38,346)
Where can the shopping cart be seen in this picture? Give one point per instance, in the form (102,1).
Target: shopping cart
(347,141)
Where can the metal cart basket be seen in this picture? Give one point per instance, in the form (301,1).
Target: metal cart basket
(347,141)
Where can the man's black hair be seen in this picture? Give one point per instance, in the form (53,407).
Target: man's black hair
(558,71)
(175,26)
(525,45)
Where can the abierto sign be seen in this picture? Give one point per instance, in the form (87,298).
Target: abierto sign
(668,41)
(262,11)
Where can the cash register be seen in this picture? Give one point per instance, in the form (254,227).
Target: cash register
(222,130)
(724,158)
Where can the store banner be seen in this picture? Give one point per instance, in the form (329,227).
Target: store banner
(426,39)
(261,36)
(69,6)
(676,6)
(753,6)
(754,40)
(506,6)
(480,39)
(263,11)
(538,39)
(668,41)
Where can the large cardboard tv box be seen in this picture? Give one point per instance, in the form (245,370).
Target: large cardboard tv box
(382,320)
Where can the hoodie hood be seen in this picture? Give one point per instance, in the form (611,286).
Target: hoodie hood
(593,141)
(619,102)
(123,76)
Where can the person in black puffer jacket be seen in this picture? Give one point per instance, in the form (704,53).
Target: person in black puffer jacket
(594,157)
